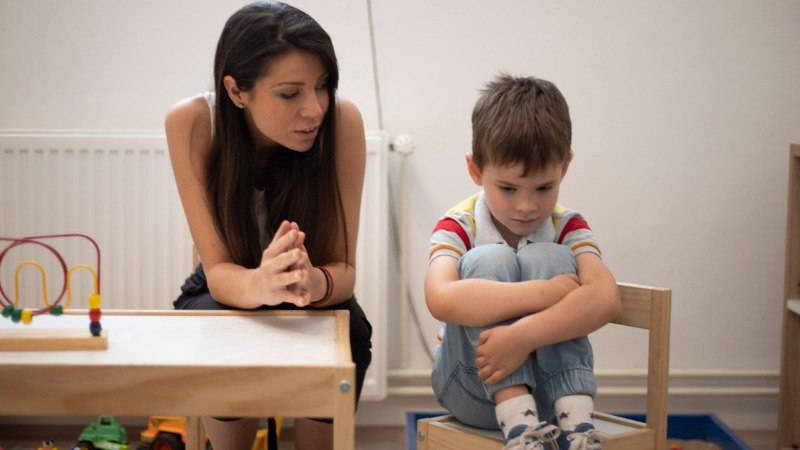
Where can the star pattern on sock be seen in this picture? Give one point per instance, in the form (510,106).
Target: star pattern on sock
(563,415)
(502,425)
(529,412)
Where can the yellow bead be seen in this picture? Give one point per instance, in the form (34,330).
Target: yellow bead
(27,316)
(94,301)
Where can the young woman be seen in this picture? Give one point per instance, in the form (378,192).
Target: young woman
(270,168)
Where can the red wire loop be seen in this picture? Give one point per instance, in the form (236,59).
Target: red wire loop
(35,240)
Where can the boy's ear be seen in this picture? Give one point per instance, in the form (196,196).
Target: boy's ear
(474,171)
(566,166)
(234,93)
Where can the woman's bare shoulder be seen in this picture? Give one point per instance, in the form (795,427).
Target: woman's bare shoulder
(349,123)
(347,113)
(189,112)
(189,122)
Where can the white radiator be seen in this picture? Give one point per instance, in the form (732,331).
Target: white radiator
(119,189)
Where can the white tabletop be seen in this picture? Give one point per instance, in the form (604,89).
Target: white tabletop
(197,340)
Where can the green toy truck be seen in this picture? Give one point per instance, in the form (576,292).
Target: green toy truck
(106,434)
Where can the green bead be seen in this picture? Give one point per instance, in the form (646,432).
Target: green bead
(16,315)
(56,310)
(7,310)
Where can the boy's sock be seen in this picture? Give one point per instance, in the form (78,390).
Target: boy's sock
(572,410)
(516,414)
(574,415)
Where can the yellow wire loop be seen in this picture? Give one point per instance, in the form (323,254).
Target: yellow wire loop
(16,281)
(69,275)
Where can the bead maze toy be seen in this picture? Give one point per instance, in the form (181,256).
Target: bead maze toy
(57,338)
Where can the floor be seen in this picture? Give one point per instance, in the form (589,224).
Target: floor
(367,438)
(63,437)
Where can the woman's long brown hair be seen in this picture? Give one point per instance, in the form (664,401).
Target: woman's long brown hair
(298,186)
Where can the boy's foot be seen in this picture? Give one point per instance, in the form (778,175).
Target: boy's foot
(585,437)
(541,438)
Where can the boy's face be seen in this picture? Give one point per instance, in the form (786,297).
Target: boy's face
(519,204)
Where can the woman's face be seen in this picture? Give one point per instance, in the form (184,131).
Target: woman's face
(287,105)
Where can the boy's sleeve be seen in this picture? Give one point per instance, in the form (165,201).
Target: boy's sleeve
(574,231)
(450,237)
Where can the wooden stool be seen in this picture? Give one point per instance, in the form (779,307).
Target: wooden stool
(642,307)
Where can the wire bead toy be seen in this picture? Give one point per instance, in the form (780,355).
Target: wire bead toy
(10,308)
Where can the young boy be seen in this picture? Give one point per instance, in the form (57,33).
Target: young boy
(518,279)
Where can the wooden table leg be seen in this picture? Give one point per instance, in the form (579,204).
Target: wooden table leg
(195,435)
(344,422)
(343,432)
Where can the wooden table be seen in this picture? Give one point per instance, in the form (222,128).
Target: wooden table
(191,363)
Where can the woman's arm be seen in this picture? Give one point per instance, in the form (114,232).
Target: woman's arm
(351,154)
(478,302)
(188,130)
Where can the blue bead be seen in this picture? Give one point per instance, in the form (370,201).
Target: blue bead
(8,310)
(95,328)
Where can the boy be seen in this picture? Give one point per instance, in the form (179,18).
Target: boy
(518,280)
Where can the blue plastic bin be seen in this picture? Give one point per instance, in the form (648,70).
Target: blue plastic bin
(699,426)
(679,426)
(411,425)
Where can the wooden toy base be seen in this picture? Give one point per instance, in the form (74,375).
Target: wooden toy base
(46,339)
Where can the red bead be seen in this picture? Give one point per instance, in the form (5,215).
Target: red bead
(94,315)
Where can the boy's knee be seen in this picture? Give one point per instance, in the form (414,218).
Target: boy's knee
(492,262)
(544,260)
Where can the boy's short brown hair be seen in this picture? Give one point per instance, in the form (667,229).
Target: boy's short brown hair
(520,120)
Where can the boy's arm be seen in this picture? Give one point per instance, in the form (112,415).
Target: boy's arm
(583,310)
(479,302)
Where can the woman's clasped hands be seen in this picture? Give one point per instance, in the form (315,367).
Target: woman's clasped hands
(284,272)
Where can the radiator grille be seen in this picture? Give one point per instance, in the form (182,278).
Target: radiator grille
(119,189)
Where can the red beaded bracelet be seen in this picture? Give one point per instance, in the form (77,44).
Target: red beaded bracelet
(328,286)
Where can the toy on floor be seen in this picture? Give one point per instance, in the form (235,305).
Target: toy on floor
(267,437)
(165,433)
(106,433)
(692,444)
(10,308)
(169,433)
(47,444)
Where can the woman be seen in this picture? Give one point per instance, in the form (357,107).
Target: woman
(270,169)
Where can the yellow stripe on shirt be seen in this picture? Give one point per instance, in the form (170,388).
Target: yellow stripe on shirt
(438,247)
(580,244)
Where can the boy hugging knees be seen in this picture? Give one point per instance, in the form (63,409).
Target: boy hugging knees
(518,280)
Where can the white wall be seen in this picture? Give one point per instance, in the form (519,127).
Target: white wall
(682,116)
(95,64)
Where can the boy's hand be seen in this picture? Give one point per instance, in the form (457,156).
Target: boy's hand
(499,353)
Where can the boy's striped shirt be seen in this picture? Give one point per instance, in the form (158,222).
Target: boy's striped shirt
(469,224)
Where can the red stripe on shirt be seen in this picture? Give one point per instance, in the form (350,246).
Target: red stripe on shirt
(451,225)
(575,223)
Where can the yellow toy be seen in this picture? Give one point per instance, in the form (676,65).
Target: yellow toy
(47,444)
